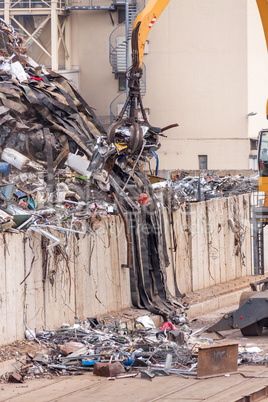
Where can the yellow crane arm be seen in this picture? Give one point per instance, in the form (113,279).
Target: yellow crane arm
(141,28)
(263,10)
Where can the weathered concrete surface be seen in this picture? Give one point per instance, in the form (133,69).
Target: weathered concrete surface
(218,296)
(83,277)
(211,243)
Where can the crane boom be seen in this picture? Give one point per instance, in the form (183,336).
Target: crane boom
(142,26)
(263,10)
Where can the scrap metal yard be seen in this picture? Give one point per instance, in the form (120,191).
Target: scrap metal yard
(249,381)
(113,280)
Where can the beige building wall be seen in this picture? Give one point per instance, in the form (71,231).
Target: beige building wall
(257,71)
(90,51)
(206,70)
(198,58)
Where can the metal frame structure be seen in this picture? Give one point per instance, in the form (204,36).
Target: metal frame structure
(14,12)
(57,12)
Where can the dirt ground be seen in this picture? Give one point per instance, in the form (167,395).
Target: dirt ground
(89,387)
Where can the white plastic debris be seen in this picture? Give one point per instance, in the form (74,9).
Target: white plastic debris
(78,164)
(146,321)
(160,184)
(17,70)
(54,240)
(14,158)
(65,325)
(5,67)
(30,334)
(253,349)
(110,209)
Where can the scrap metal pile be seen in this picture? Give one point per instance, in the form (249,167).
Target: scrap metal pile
(184,188)
(63,172)
(111,350)
(122,350)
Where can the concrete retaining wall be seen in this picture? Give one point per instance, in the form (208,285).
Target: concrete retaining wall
(83,276)
(211,243)
(91,283)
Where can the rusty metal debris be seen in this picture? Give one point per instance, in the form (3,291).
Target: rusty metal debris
(108,369)
(124,350)
(111,349)
(127,349)
(217,359)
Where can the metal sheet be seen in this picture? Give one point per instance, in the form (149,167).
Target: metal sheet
(217,359)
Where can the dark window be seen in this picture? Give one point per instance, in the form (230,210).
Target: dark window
(203,161)
(121,13)
(253,144)
(122,83)
(264,146)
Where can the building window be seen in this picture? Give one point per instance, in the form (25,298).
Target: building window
(253,144)
(203,161)
(122,82)
(121,15)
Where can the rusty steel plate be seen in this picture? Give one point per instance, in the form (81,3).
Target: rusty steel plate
(217,359)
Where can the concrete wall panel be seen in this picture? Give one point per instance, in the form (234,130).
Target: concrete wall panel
(183,255)
(83,275)
(213,242)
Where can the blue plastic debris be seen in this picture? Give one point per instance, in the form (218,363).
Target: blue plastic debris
(89,362)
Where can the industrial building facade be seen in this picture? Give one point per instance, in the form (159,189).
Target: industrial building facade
(206,68)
